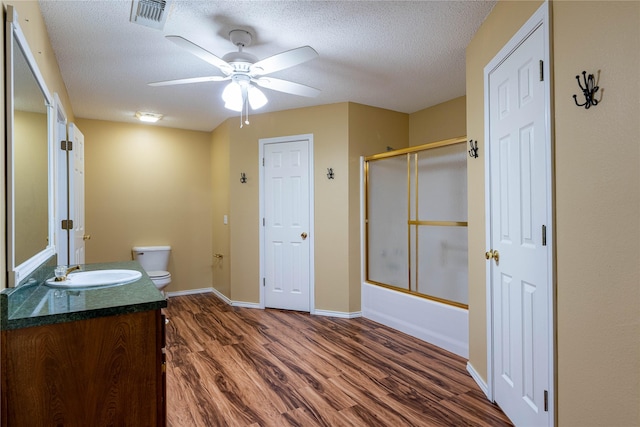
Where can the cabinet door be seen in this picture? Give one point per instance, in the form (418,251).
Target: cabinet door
(96,372)
(162,374)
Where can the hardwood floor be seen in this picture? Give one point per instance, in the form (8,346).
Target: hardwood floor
(229,366)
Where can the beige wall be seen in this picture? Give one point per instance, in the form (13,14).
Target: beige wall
(34,29)
(597,203)
(505,19)
(328,124)
(597,214)
(341,133)
(149,185)
(443,121)
(220,197)
(371,131)
(31,161)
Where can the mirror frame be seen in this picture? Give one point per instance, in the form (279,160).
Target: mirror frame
(13,32)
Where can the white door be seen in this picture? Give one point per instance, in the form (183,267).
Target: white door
(519,215)
(287,233)
(77,235)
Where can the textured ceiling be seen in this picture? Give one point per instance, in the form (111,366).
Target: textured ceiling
(398,55)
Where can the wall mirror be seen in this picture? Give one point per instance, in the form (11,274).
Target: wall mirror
(29,131)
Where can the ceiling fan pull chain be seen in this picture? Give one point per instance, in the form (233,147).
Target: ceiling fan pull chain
(246,103)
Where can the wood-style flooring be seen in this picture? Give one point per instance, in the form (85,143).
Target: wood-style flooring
(229,366)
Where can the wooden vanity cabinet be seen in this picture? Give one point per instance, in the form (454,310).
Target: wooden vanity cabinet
(103,371)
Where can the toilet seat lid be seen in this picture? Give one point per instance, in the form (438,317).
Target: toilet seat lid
(159,274)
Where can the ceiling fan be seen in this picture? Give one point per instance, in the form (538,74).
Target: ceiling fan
(246,72)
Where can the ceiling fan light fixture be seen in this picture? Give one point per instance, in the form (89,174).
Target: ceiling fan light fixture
(257,99)
(148,117)
(232,97)
(238,92)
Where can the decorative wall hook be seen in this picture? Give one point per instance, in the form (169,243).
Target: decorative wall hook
(589,89)
(243,178)
(473,149)
(330,174)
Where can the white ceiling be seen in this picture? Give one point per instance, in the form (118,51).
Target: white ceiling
(398,55)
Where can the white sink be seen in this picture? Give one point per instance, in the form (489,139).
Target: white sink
(85,279)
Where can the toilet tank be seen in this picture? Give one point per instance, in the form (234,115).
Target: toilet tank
(152,258)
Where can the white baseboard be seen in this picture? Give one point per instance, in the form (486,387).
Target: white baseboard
(341,314)
(218,294)
(190,292)
(440,324)
(478,379)
(244,304)
(222,296)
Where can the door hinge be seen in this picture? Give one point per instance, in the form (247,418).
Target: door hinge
(541,70)
(544,235)
(546,401)
(263,222)
(67,224)
(263,161)
(66,145)
(264,282)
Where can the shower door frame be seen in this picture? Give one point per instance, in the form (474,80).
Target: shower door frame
(410,223)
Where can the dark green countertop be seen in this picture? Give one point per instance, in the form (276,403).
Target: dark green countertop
(36,304)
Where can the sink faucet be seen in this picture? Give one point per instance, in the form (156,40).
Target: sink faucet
(69,270)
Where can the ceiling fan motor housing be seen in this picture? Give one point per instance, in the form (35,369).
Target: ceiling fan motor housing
(240,38)
(240,60)
(241,79)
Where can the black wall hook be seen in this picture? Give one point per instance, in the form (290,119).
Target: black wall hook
(473,149)
(589,89)
(243,178)
(330,174)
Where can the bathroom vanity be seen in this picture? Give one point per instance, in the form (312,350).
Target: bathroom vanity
(83,357)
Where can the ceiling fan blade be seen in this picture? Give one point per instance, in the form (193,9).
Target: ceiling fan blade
(283,60)
(201,53)
(191,80)
(287,86)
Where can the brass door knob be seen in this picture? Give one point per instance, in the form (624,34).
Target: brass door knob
(303,235)
(492,254)
(86,237)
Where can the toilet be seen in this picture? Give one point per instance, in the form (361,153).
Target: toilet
(154,260)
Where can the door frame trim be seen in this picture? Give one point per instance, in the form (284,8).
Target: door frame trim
(276,140)
(61,189)
(77,211)
(540,18)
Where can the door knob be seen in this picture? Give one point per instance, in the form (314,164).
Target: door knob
(492,254)
(86,237)
(303,235)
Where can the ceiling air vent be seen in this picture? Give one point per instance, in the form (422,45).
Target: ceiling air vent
(150,13)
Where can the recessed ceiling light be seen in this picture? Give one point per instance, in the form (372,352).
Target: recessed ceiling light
(148,117)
